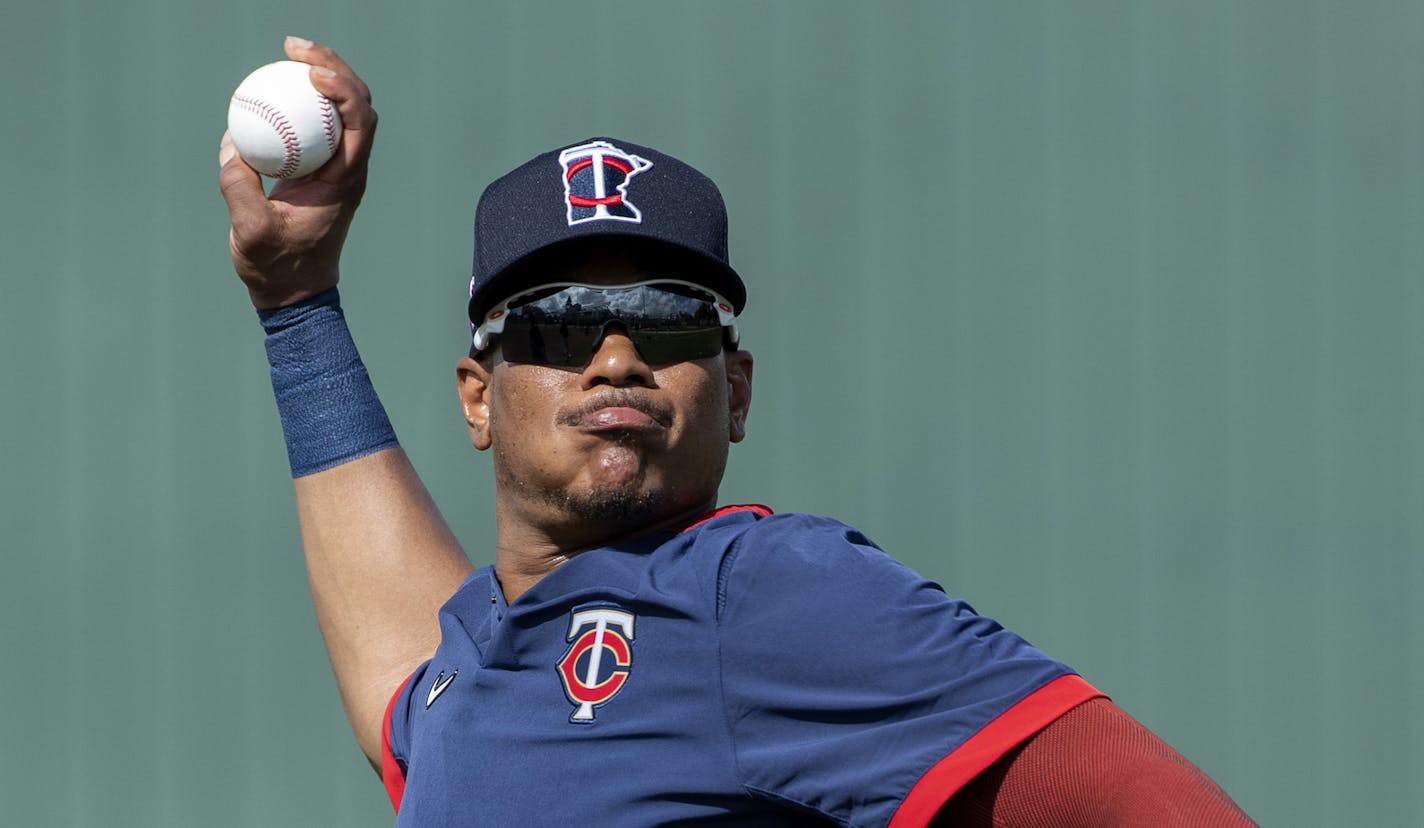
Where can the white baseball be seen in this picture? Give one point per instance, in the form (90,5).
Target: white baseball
(281,125)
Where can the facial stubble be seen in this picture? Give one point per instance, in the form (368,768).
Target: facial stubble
(626,503)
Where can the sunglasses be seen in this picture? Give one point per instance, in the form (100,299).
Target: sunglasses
(564,324)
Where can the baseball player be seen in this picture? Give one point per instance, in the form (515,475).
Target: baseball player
(637,655)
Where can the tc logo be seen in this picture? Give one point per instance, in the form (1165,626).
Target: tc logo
(597,662)
(596,180)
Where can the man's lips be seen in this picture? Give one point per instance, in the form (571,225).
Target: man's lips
(617,418)
(618,411)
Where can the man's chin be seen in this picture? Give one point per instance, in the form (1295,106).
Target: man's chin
(612,506)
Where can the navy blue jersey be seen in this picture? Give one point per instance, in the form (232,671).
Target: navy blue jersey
(751,670)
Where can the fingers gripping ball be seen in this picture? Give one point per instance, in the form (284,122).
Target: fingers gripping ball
(281,125)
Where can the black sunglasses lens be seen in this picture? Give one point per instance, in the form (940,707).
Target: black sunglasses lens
(549,343)
(573,346)
(667,324)
(665,347)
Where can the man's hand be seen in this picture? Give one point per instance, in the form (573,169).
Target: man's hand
(286,245)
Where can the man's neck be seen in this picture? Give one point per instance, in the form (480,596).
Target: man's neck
(526,550)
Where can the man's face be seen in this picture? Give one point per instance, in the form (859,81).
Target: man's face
(620,441)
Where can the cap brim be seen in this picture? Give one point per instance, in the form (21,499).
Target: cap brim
(700,268)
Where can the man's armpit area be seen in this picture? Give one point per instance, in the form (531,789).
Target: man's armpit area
(1095,765)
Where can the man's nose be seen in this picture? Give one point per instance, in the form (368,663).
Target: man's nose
(616,362)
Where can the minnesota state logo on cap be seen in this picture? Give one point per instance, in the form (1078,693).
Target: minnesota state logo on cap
(596,177)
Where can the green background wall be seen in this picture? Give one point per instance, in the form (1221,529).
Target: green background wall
(1106,315)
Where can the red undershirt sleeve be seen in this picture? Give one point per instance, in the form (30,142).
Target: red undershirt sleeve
(1093,766)
(1012,728)
(392,771)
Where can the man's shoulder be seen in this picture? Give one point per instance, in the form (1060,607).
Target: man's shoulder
(768,532)
(759,524)
(817,554)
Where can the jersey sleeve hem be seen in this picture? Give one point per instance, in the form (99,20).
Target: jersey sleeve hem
(392,774)
(1030,715)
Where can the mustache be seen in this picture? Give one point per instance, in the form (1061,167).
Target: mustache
(617,398)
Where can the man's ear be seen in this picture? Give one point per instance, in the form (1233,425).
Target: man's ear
(473,385)
(739,396)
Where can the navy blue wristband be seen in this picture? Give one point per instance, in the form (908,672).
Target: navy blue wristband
(330,412)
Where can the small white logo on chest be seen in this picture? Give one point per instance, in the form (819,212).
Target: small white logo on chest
(441,682)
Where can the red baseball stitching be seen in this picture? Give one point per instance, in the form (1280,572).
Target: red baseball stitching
(285,131)
(328,123)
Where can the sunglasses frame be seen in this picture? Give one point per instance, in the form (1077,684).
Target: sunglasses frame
(493,323)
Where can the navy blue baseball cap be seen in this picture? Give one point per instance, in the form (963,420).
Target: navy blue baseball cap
(600,188)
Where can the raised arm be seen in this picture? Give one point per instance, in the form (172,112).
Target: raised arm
(379,556)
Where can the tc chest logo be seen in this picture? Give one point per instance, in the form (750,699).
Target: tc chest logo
(598,660)
(596,180)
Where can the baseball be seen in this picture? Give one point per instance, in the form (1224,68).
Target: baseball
(281,125)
